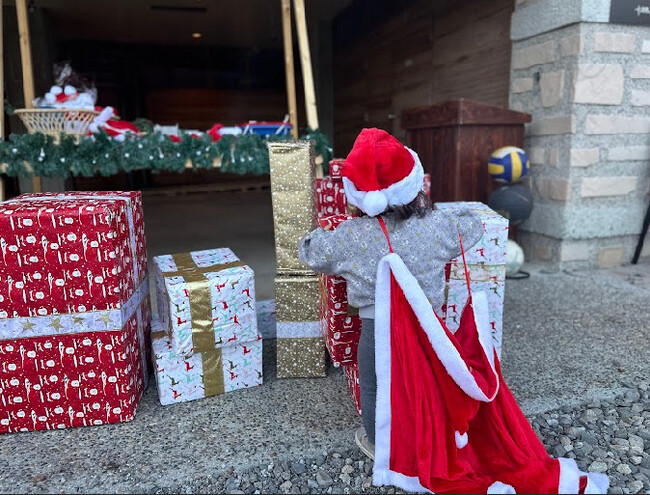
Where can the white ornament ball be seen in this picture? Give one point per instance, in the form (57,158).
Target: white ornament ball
(56,90)
(69,90)
(514,257)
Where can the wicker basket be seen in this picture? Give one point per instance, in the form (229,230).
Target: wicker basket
(57,121)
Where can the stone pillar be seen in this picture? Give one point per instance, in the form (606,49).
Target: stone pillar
(587,85)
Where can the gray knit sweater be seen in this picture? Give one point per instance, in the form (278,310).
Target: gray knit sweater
(425,244)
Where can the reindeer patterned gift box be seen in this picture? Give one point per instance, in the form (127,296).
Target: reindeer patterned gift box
(212,372)
(486,261)
(74,310)
(206,302)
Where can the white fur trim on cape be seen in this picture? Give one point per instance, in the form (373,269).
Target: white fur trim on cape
(499,487)
(461,440)
(444,349)
(401,193)
(570,478)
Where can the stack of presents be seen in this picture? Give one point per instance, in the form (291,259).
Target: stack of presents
(76,332)
(77,335)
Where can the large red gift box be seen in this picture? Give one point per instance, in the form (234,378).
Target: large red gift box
(330,197)
(74,309)
(339,329)
(352,377)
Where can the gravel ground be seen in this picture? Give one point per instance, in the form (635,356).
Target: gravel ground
(603,436)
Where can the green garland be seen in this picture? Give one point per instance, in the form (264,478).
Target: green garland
(38,154)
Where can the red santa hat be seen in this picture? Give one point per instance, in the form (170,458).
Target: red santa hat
(380,172)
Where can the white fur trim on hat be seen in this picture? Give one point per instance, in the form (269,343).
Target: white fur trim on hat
(401,193)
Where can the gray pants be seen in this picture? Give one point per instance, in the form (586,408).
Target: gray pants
(367,376)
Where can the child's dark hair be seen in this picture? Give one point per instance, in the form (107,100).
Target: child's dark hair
(419,206)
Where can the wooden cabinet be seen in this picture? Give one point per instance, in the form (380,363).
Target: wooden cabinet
(455,140)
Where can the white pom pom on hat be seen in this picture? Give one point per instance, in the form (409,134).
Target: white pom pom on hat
(374,202)
(380,172)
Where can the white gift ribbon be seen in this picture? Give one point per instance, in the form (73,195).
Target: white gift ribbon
(72,323)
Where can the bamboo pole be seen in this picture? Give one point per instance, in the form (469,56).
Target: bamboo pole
(28,70)
(289,68)
(305,62)
(2,97)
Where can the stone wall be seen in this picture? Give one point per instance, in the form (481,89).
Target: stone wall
(587,86)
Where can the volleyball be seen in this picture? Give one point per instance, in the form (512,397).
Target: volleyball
(508,164)
(514,258)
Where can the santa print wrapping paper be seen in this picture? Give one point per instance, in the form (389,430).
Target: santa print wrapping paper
(75,310)
(70,252)
(330,197)
(181,379)
(225,295)
(486,262)
(352,377)
(339,329)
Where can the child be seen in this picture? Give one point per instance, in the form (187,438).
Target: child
(384,178)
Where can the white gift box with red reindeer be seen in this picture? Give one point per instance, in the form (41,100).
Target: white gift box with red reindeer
(184,378)
(486,261)
(206,342)
(223,294)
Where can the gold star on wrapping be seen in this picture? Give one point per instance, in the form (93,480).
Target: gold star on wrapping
(27,326)
(56,324)
(78,320)
(106,318)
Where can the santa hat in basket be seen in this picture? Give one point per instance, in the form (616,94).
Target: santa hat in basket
(380,172)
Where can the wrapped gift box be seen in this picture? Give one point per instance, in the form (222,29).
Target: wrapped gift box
(486,262)
(206,300)
(181,378)
(75,310)
(352,377)
(339,327)
(293,172)
(330,197)
(336,167)
(300,348)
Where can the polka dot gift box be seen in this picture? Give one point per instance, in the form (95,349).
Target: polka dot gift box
(74,310)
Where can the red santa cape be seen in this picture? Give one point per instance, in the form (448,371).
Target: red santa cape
(445,420)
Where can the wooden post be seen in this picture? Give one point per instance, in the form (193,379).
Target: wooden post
(2,97)
(305,62)
(26,59)
(289,69)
